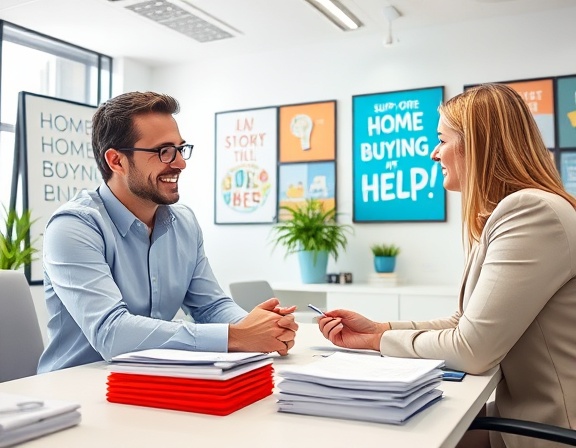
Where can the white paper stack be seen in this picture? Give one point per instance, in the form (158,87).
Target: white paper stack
(386,279)
(361,387)
(23,418)
(188,364)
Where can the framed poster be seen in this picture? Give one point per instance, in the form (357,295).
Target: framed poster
(307,132)
(301,181)
(566,116)
(568,170)
(394,178)
(54,153)
(538,94)
(246,166)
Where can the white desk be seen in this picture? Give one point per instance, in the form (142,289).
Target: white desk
(109,425)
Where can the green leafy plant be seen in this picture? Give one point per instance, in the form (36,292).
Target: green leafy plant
(385,250)
(15,249)
(311,228)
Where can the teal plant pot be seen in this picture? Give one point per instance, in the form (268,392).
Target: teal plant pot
(384,264)
(313,266)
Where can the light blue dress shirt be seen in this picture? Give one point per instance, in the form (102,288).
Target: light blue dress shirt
(111,289)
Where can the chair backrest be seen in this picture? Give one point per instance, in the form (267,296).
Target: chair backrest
(251,293)
(526,428)
(20,338)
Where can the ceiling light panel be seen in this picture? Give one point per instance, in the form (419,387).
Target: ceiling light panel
(337,13)
(176,16)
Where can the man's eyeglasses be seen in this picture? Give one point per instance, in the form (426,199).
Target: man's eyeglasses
(166,154)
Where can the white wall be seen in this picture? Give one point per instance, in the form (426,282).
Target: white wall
(503,49)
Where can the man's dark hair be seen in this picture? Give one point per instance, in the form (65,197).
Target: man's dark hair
(113,124)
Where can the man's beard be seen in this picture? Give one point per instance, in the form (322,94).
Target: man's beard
(146,189)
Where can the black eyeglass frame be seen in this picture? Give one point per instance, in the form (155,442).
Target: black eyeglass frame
(165,148)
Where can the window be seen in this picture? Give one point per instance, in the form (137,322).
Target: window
(36,63)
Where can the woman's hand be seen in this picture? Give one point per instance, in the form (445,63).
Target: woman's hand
(352,330)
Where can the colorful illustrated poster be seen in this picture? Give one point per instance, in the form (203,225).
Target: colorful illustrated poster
(246,158)
(539,96)
(394,178)
(307,132)
(566,114)
(568,171)
(301,181)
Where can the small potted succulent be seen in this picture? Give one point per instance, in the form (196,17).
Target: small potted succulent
(385,257)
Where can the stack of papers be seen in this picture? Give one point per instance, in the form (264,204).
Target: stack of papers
(204,382)
(383,279)
(24,418)
(361,387)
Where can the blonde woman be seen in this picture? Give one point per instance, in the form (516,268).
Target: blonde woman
(517,305)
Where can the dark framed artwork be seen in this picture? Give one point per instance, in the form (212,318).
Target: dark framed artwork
(53,154)
(538,94)
(301,181)
(246,156)
(566,106)
(552,101)
(394,134)
(307,132)
(568,170)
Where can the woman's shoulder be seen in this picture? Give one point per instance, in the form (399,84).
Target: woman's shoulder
(532,196)
(533,201)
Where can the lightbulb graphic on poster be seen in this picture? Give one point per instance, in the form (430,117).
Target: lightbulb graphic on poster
(246,153)
(394,176)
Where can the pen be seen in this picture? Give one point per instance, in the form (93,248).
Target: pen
(316,309)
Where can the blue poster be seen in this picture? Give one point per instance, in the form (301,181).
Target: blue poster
(394,178)
(566,115)
(568,171)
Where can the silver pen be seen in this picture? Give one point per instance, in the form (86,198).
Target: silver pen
(318,310)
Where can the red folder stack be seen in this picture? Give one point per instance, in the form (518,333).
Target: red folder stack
(205,388)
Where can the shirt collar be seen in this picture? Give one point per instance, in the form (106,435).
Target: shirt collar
(124,218)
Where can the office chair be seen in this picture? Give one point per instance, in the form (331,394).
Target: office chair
(525,428)
(20,338)
(251,293)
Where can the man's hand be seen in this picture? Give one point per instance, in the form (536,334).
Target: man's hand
(267,328)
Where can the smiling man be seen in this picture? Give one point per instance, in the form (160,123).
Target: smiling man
(120,261)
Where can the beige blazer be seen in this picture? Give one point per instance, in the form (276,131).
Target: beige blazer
(517,308)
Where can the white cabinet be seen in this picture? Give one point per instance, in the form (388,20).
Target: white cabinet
(426,307)
(375,302)
(376,306)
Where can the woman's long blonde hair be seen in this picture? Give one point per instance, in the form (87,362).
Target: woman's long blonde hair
(503,152)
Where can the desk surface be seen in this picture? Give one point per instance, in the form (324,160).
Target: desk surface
(112,425)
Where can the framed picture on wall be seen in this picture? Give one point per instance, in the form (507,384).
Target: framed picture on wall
(539,96)
(552,101)
(394,134)
(568,170)
(307,132)
(301,181)
(53,155)
(246,166)
(566,116)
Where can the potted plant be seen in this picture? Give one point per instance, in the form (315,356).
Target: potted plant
(314,234)
(15,247)
(385,257)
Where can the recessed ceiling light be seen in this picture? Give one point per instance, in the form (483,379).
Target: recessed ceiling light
(337,13)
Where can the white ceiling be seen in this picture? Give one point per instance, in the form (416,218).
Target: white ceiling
(109,28)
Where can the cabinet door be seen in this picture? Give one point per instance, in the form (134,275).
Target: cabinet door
(375,306)
(426,307)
